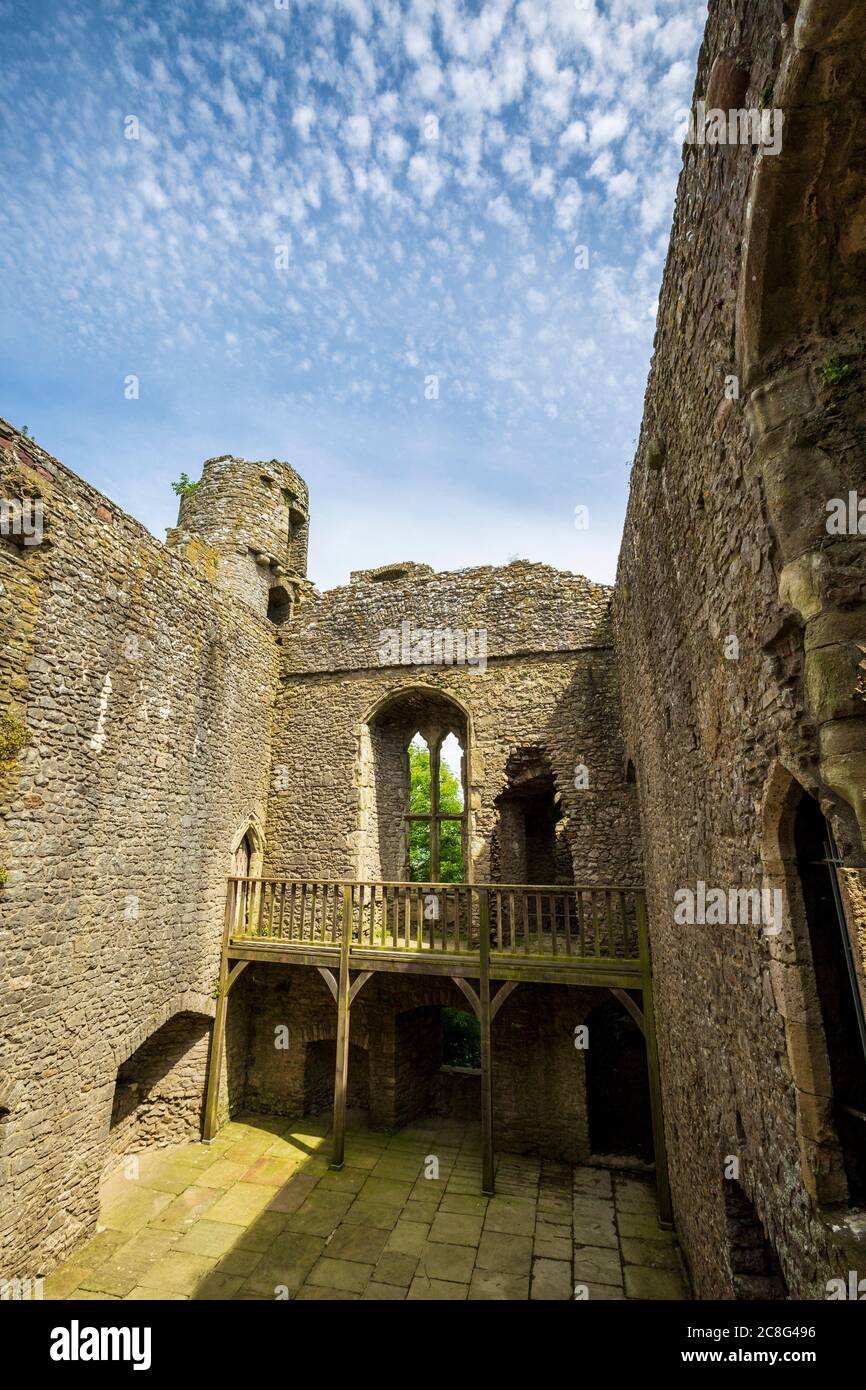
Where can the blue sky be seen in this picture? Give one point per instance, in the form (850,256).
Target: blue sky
(327,205)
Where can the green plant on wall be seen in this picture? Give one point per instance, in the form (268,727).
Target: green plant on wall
(835,370)
(183,487)
(13,737)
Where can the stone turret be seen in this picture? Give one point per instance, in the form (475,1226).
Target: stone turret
(247,525)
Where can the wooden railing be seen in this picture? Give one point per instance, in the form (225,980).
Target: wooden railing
(584,922)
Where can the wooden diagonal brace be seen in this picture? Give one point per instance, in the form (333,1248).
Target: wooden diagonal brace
(628,1003)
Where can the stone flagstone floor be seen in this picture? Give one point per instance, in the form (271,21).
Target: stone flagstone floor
(258,1214)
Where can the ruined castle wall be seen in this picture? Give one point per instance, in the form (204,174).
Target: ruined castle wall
(145,695)
(549,682)
(712,524)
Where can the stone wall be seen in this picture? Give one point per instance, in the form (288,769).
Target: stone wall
(136,700)
(737,617)
(549,683)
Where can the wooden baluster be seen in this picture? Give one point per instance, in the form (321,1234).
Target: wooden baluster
(566,908)
(498,919)
(553,921)
(512,923)
(608,910)
(596,926)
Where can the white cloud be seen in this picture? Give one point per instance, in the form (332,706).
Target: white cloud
(302,120)
(426,175)
(607,126)
(357,132)
(568,206)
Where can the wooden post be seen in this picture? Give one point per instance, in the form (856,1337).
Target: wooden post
(663,1189)
(217,1037)
(341,1072)
(484,1019)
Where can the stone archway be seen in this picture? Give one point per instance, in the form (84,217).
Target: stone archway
(795,991)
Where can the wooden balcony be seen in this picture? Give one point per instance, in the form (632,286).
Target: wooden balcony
(487,937)
(586,934)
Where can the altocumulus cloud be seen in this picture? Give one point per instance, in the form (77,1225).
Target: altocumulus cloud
(323,205)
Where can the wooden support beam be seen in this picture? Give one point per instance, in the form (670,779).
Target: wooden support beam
(217,1037)
(341,1072)
(358,984)
(329,978)
(663,1188)
(628,1003)
(466,989)
(500,997)
(485,1019)
(237,970)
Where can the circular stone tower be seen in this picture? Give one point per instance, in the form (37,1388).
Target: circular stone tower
(247,525)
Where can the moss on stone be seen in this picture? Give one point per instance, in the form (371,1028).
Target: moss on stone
(13,737)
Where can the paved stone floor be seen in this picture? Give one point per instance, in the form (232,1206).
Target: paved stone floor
(258,1214)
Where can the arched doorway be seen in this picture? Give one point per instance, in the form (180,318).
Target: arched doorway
(243,858)
(838,993)
(530,844)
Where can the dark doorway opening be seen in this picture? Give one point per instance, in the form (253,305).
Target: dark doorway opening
(617,1085)
(838,995)
(531,846)
(279,605)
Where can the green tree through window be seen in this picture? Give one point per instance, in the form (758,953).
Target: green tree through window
(436,815)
